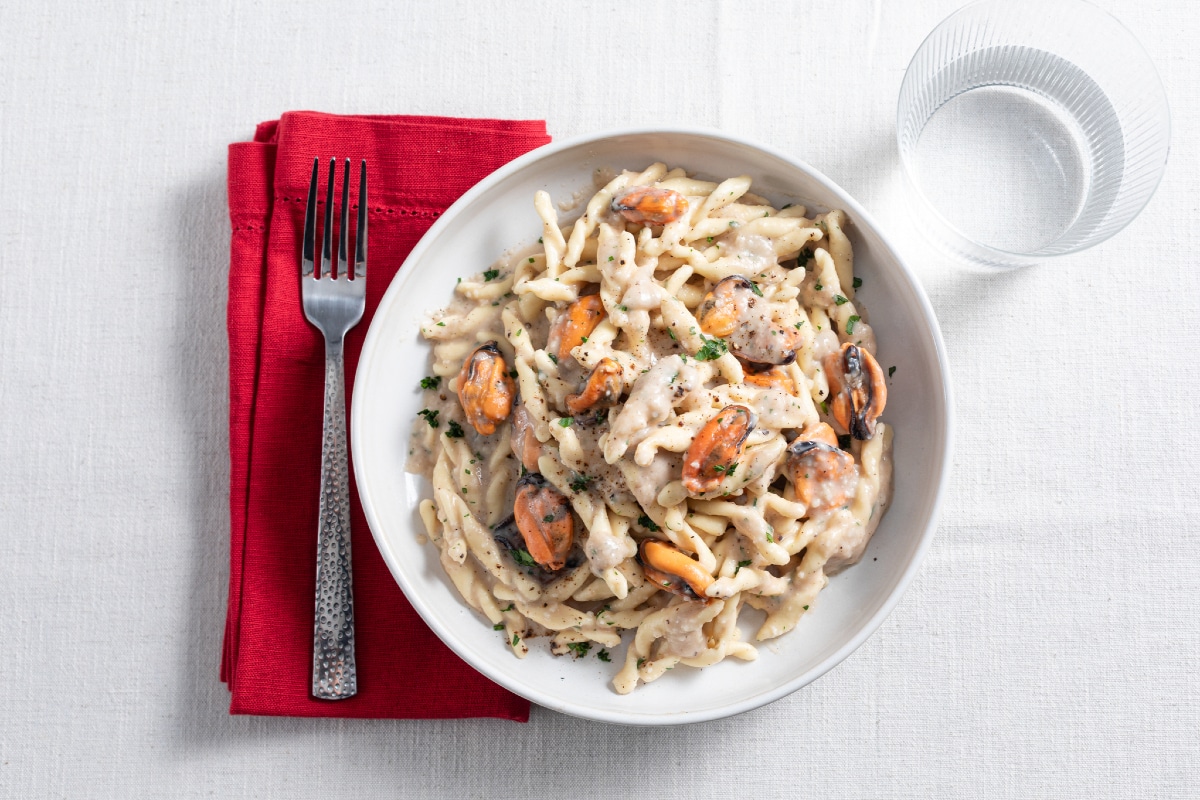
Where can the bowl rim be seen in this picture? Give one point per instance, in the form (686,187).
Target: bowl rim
(358,436)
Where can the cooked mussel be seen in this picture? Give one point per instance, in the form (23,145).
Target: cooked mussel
(543,516)
(773,378)
(524,443)
(857,390)
(715,451)
(485,390)
(649,205)
(602,389)
(669,568)
(736,311)
(824,476)
(573,325)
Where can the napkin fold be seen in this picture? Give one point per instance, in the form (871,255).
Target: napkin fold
(418,166)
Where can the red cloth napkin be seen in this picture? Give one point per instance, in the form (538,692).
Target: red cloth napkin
(418,166)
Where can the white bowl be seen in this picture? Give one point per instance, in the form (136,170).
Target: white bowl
(497,215)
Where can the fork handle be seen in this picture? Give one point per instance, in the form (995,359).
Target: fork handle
(334,676)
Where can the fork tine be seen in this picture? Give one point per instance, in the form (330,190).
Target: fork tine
(310,226)
(360,238)
(343,234)
(328,264)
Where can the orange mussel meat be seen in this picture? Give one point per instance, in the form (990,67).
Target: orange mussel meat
(543,516)
(574,324)
(485,390)
(669,568)
(715,451)
(857,389)
(649,205)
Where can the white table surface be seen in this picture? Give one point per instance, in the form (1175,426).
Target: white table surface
(1046,649)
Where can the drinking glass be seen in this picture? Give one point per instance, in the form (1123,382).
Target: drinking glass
(1029,130)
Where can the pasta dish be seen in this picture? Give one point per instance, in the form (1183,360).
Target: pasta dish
(665,412)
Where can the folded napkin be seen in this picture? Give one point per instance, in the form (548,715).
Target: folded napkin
(418,166)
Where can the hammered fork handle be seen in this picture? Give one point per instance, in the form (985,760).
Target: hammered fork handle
(334,674)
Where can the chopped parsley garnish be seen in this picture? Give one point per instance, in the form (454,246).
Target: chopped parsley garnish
(739,566)
(583,340)
(580,649)
(732,467)
(647,523)
(824,407)
(499,626)
(492,274)
(798,324)
(857,282)
(566,421)
(522,557)
(891,371)
(854,318)
(548,518)
(531,259)
(516,640)
(610,258)
(720,468)
(839,300)
(431,382)
(604,656)
(712,349)
(454,430)
(710,238)
(671,333)
(430,416)
(754,288)
(509,607)
(818,286)
(624,308)
(770,537)
(441,324)
(806,608)
(580,483)
(553,357)
(640,661)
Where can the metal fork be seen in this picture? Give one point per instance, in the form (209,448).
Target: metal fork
(334,305)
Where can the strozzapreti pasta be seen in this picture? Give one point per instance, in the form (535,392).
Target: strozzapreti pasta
(665,412)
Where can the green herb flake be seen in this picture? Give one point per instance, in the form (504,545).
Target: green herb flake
(492,274)
(604,656)
(610,258)
(623,308)
(583,340)
(516,640)
(798,324)
(770,537)
(540,240)
(640,661)
(857,282)
(509,607)
(580,483)
(647,523)
(850,323)
(806,608)
(454,430)
(548,518)
(441,324)
(553,357)
(671,333)
(891,371)
(824,407)
(580,649)
(522,557)
(531,259)
(710,238)
(430,416)
(754,288)
(712,349)
(499,626)
(732,467)
(839,300)
(739,566)
(818,287)
(566,421)
(431,382)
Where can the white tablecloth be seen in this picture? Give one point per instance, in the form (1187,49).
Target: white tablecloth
(1046,648)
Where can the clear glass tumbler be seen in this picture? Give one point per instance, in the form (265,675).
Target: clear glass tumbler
(1030,129)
